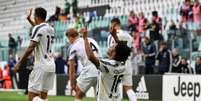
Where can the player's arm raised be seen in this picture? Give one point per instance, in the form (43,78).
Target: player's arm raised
(29,18)
(88,49)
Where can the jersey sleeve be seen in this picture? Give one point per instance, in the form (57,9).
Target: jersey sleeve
(36,34)
(72,53)
(124,36)
(107,66)
(95,48)
(110,41)
(103,66)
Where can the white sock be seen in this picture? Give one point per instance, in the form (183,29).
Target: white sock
(131,95)
(46,100)
(78,100)
(37,98)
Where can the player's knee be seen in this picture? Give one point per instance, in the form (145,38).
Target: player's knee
(126,88)
(44,95)
(79,93)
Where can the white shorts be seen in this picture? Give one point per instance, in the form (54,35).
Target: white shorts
(84,83)
(40,81)
(129,73)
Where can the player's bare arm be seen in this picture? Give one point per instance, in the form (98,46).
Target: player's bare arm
(29,18)
(72,74)
(113,32)
(26,54)
(88,49)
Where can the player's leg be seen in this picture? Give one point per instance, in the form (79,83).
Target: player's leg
(128,85)
(32,95)
(129,91)
(44,96)
(79,94)
(48,83)
(83,85)
(35,85)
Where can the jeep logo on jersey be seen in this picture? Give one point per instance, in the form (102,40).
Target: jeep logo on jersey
(141,90)
(190,89)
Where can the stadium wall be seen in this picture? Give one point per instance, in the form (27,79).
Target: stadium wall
(170,87)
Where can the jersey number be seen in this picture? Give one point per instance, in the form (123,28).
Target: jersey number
(49,39)
(93,47)
(117,80)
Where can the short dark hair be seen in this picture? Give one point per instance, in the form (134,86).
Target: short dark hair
(122,51)
(116,20)
(154,13)
(41,13)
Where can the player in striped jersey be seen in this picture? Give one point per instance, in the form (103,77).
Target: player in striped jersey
(88,75)
(122,36)
(41,79)
(113,70)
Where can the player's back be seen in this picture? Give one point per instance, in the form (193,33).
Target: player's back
(43,34)
(112,74)
(78,50)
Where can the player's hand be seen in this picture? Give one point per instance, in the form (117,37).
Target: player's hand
(30,13)
(84,31)
(16,68)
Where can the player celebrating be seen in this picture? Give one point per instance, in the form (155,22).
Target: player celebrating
(88,75)
(41,79)
(122,36)
(113,70)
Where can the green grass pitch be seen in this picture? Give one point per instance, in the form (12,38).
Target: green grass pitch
(16,96)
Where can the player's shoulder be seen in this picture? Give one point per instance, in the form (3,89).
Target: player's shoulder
(109,62)
(122,33)
(92,40)
(78,42)
(109,36)
(39,26)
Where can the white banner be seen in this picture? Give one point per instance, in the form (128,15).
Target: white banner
(181,88)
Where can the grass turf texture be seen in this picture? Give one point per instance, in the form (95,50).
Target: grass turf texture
(14,96)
